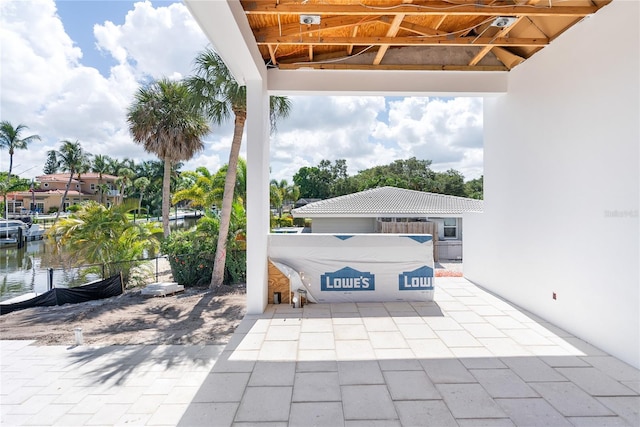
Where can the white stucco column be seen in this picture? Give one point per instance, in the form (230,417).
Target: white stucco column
(257,127)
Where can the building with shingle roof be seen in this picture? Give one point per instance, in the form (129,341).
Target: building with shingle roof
(394,210)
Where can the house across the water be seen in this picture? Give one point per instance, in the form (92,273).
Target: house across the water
(395,210)
(47,195)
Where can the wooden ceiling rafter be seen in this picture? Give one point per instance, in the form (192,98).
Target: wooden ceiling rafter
(392,67)
(272,54)
(409,34)
(391,32)
(409,41)
(415,28)
(354,33)
(327,24)
(421,8)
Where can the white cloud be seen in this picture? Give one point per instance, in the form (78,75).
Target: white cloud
(46,87)
(446,131)
(441,130)
(160,41)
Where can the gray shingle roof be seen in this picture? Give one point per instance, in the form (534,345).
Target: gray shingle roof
(390,201)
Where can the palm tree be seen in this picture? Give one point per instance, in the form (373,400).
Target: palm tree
(100,165)
(105,235)
(10,139)
(73,159)
(221,96)
(288,193)
(164,119)
(275,197)
(112,166)
(124,181)
(240,189)
(204,191)
(153,170)
(141,184)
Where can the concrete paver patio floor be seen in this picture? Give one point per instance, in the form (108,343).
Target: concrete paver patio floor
(466,359)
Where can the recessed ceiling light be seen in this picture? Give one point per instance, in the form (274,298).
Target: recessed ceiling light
(310,19)
(503,21)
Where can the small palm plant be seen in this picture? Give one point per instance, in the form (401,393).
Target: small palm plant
(101,235)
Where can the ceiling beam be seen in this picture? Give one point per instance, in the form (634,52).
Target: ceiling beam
(409,41)
(302,57)
(391,32)
(392,67)
(331,23)
(507,58)
(415,28)
(272,54)
(354,33)
(419,8)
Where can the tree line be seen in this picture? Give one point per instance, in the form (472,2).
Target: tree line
(329,179)
(169,119)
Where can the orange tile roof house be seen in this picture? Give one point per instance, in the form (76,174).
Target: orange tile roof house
(49,189)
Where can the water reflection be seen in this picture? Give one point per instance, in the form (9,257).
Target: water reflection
(26,269)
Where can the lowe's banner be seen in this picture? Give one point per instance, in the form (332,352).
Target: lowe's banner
(358,267)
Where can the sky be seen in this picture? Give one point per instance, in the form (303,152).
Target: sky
(69,70)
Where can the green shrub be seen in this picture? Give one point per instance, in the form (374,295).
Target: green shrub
(53,209)
(236,268)
(100,235)
(298,222)
(74,208)
(286,221)
(191,258)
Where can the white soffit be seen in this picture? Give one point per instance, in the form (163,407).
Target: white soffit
(225,25)
(386,82)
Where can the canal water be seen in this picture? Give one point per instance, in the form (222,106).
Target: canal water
(26,269)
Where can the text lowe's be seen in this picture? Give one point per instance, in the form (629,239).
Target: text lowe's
(418,279)
(347,279)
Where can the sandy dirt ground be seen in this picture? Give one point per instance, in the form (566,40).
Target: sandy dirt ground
(195,316)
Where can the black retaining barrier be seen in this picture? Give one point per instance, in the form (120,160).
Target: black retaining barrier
(106,288)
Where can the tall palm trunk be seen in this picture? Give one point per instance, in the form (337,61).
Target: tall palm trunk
(101,189)
(4,196)
(166,196)
(64,196)
(217,277)
(10,162)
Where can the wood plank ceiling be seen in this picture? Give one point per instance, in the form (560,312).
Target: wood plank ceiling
(477,35)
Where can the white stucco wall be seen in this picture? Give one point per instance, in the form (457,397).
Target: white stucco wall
(561,185)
